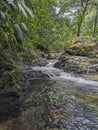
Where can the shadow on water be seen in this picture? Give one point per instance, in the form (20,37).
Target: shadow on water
(52,105)
(9,106)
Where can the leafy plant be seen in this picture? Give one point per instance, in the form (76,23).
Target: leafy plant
(82,52)
(92,55)
(13,30)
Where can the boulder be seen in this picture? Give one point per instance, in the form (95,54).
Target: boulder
(30,75)
(78,64)
(83,46)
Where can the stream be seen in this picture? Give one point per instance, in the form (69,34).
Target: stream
(64,102)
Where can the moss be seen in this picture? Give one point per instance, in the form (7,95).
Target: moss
(83,46)
(82,52)
(92,55)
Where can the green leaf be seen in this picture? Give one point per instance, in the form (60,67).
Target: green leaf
(2,15)
(24,27)
(28,11)
(22,9)
(18,32)
(3,36)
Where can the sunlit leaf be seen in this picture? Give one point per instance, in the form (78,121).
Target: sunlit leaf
(22,9)
(29,12)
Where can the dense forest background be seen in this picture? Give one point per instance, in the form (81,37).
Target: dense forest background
(49,25)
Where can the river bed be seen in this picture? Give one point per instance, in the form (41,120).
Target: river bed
(64,102)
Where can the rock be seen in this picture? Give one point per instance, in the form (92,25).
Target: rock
(39,62)
(28,64)
(29,75)
(83,46)
(78,64)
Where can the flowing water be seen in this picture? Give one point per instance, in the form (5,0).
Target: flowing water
(64,102)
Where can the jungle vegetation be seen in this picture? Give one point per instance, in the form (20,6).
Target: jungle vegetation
(27,25)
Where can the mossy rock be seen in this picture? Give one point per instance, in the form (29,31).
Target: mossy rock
(51,56)
(83,46)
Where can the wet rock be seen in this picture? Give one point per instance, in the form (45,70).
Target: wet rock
(77,64)
(26,65)
(41,62)
(30,75)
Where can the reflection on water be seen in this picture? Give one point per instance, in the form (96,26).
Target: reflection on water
(54,105)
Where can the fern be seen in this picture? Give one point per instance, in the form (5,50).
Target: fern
(22,9)
(27,10)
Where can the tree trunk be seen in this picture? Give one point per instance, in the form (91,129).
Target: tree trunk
(78,30)
(82,16)
(95,23)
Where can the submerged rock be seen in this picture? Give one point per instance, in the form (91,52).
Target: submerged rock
(91,77)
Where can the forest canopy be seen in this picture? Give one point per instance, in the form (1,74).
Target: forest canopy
(46,22)
(49,25)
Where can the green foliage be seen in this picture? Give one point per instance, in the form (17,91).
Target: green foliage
(8,69)
(92,55)
(24,27)
(13,32)
(82,52)
(18,32)
(51,26)
(13,29)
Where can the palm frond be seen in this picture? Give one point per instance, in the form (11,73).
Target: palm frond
(2,15)
(27,9)
(22,9)
(24,27)
(18,32)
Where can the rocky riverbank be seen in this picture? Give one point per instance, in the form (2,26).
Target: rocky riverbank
(80,56)
(28,75)
(77,64)
(48,104)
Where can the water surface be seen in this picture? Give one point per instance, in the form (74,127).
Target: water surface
(64,102)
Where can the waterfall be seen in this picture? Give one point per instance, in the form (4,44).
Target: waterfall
(59,75)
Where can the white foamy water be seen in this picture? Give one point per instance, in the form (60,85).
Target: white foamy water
(60,75)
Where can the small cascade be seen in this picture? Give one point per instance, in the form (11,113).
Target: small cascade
(60,75)
(51,63)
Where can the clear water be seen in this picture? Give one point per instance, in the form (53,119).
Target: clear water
(64,102)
